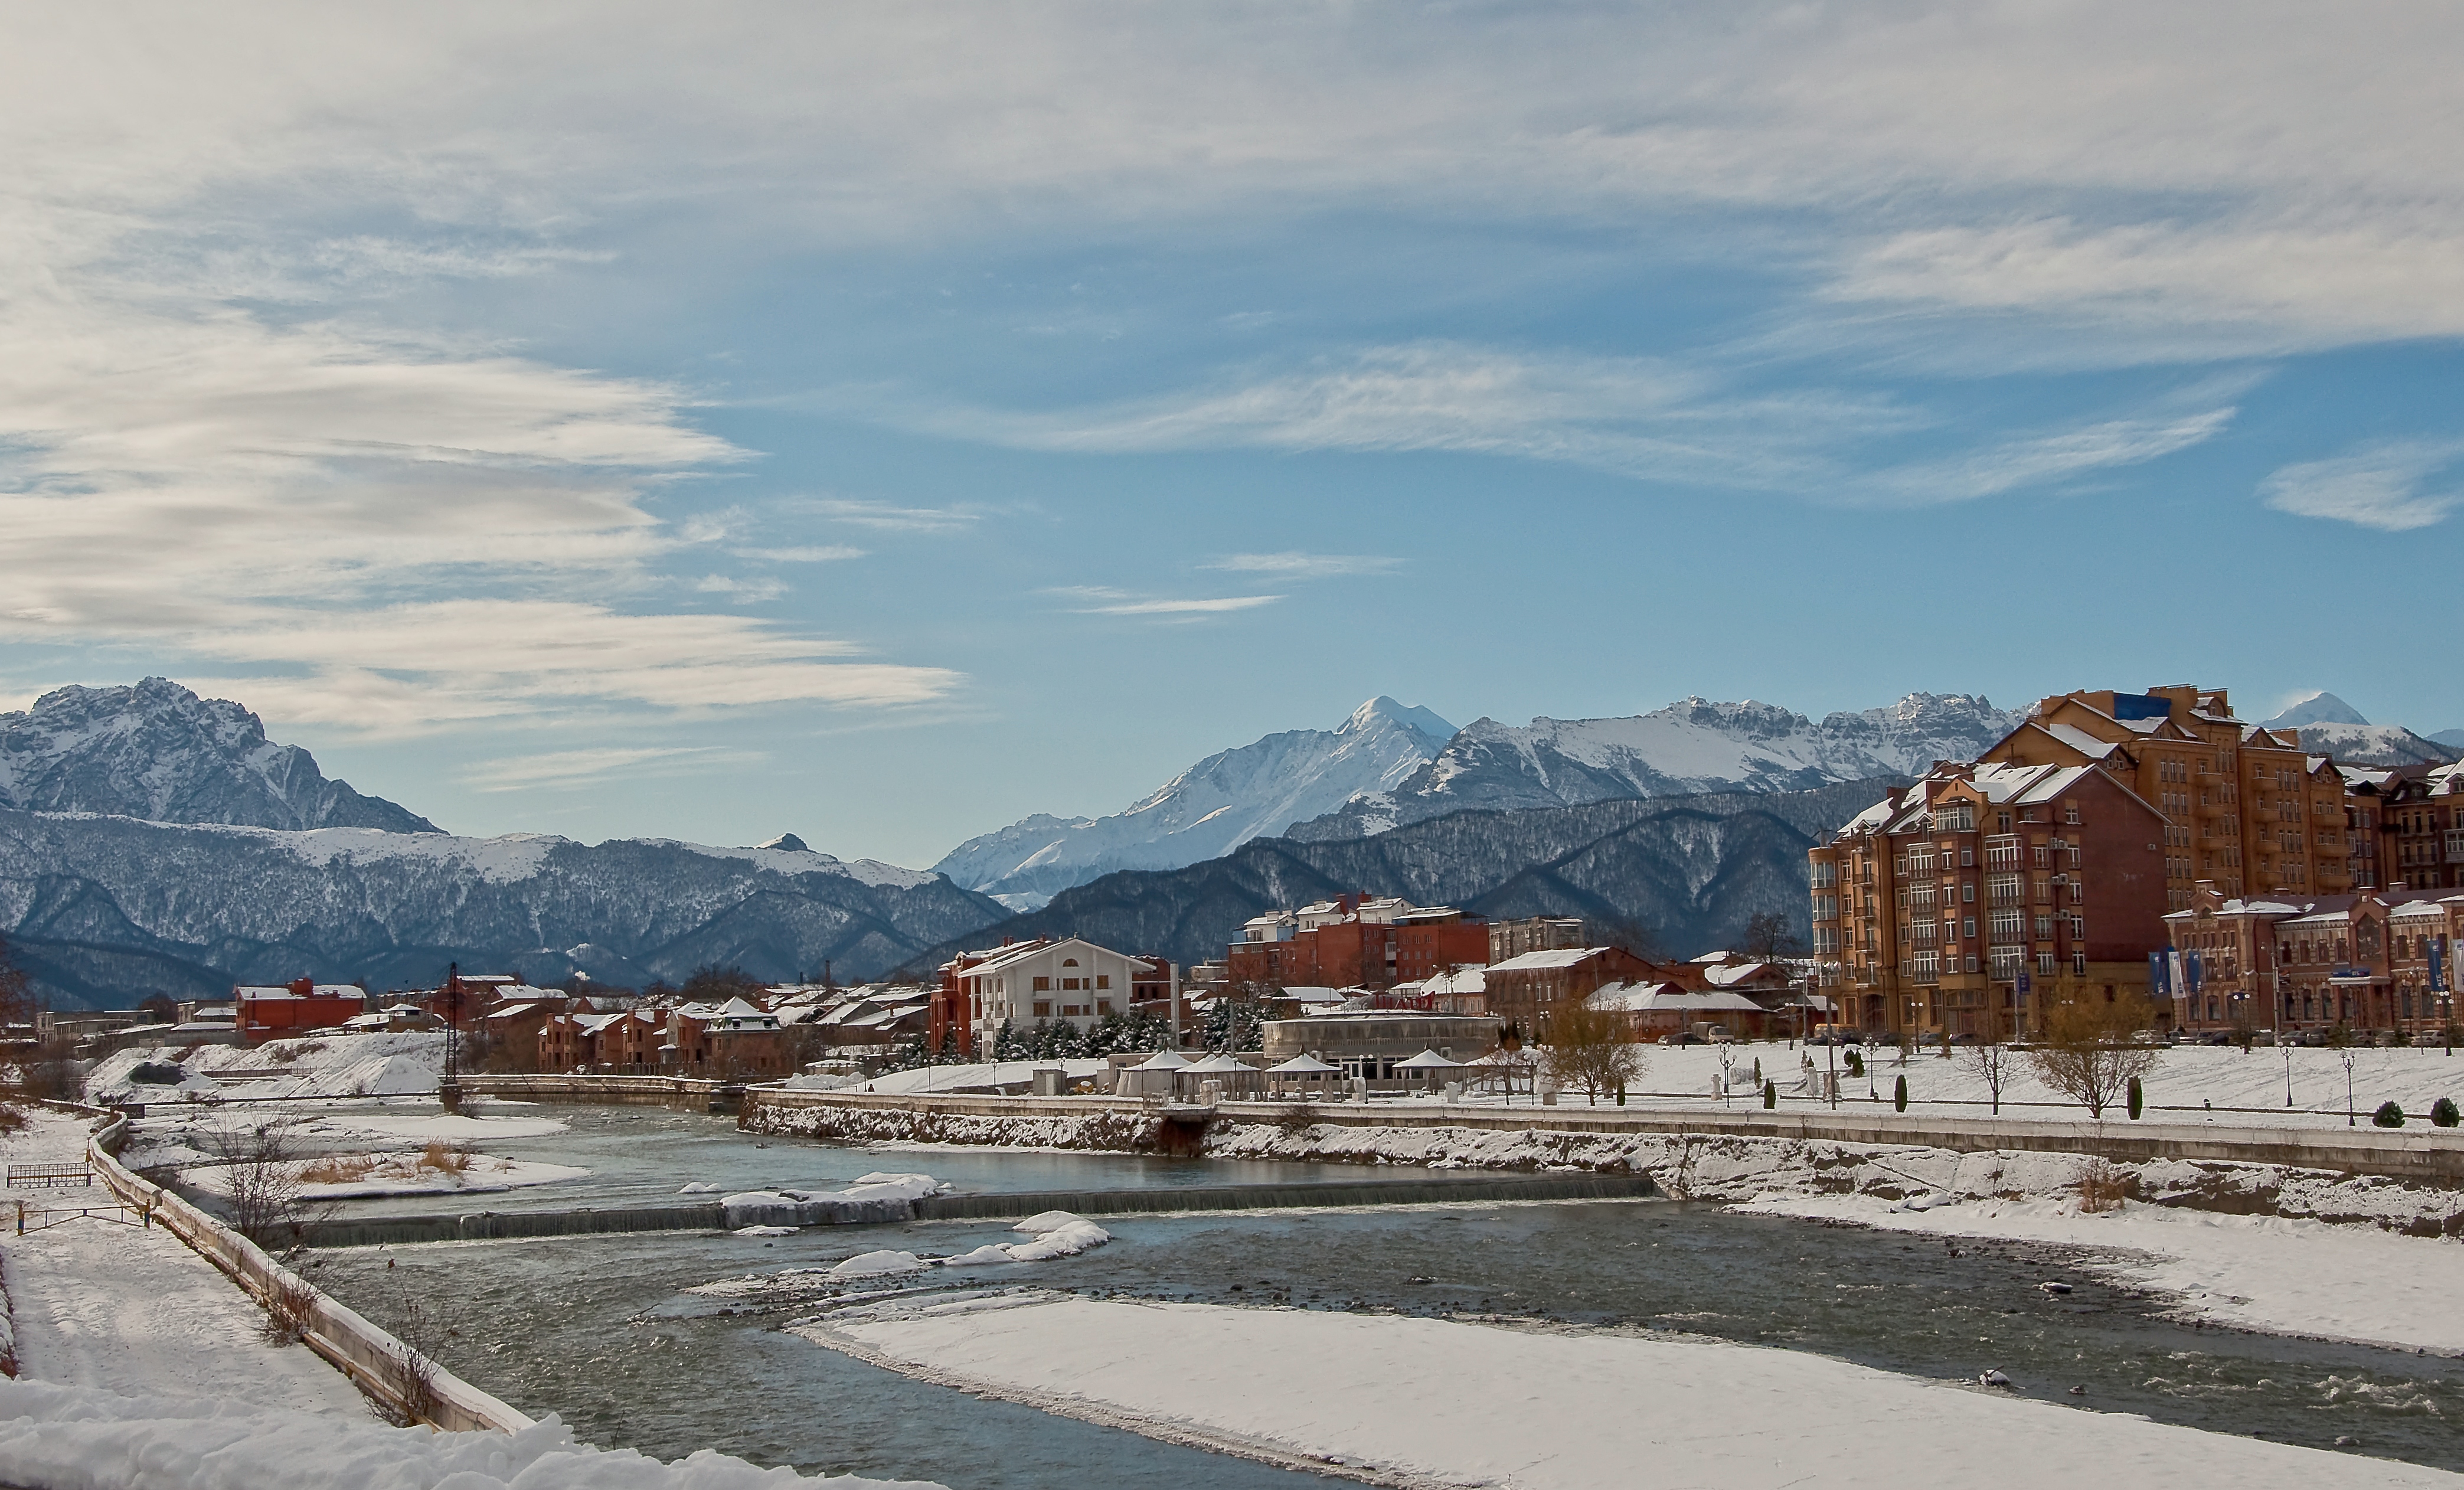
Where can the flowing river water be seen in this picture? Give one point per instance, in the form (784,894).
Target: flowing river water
(604,1330)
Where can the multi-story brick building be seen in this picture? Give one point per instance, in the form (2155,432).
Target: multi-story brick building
(1526,990)
(2373,962)
(1965,903)
(1533,934)
(1356,941)
(2247,807)
(2422,827)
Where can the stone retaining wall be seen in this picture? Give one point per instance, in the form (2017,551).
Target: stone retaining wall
(2425,1157)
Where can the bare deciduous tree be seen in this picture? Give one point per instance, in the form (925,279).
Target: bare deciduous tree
(2089,1051)
(1989,1060)
(1768,938)
(262,1167)
(1591,1048)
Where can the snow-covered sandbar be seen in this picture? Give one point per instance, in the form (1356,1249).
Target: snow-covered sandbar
(2273,1274)
(1433,1402)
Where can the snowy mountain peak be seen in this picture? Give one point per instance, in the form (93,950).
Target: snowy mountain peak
(1208,810)
(787,843)
(157,751)
(2315,708)
(1385,713)
(1694,745)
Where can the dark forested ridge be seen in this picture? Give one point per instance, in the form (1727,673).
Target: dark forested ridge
(1691,869)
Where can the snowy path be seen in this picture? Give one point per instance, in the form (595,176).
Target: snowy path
(134,1311)
(2251,1272)
(1433,1402)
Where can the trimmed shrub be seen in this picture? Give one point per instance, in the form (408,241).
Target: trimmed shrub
(2388,1115)
(1856,1063)
(1900,1094)
(2442,1113)
(1771,1094)
(2138,1098)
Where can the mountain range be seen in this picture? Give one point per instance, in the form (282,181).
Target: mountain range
(1208,810)
(2332,727)
(151,840)
(1691,747)
(1690,869)
(157,751)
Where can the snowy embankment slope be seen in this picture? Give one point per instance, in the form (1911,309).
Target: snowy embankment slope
(132,1310)
(55,1437)
(2270,1273)
(1435,1402)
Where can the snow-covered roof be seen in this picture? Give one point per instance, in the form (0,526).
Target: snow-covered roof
(1215,1064)
(1668,998)
(1428,1061)
(1163,1061)
(1302,1065)
(1304,992)
(1541,961)
(1742,973)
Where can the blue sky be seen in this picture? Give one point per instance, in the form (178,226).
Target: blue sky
(881,426)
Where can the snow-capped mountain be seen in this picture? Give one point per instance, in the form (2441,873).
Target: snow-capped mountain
(2316,708)
(157,751)
(112,907)
(2373,744)
(2332,727)
(1690,747)
(1208,810)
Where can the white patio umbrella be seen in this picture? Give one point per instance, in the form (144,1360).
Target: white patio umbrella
(1303,1066)
(1428,1061)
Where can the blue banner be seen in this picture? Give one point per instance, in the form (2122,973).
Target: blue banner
(2158,984)
(2438,964)
(2197,973)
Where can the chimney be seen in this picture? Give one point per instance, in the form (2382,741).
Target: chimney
(303,986)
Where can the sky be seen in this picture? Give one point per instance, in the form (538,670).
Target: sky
(880,424)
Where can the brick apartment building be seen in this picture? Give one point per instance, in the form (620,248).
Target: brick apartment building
(2246,807)
(1534,933)
(2422,832)
(1356,941)
(1962,903)
(1527,990)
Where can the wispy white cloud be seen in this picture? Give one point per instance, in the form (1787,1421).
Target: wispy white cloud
(1103,600)
(1296,565)
(2047,458)
(887,517)
(579,767)
(749,591)
(1635,416)
(804,554)
(2377,486)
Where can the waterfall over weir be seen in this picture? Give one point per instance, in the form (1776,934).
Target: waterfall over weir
(710,1216)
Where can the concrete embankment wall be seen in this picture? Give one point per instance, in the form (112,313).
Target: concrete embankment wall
(381,1366)
(2428,1156)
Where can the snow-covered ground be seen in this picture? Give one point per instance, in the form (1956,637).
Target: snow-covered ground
(1437,1402)
(60,1438)
(132,1310)
(187,1136)
(365,1177)
(2193,1083)
(378,1065)
(2269,1274)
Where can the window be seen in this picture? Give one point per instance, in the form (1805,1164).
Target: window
(1966,856)
(1043,985)
(2002,821)
(2044,928)
(1103,981)
(2045,963)
(1969,931)
(1972,962)
(1042,1006)
(1968,891)
(2006,925)
(2070,812)
(1103,1006)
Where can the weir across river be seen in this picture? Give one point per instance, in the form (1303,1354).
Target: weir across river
(710,1216)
